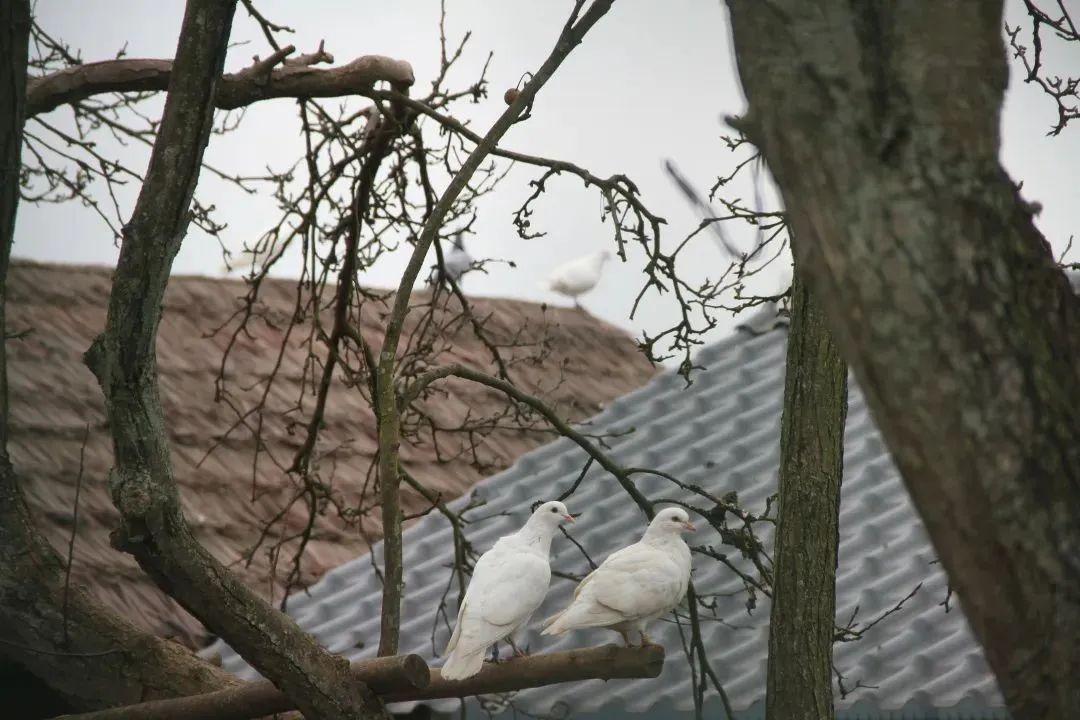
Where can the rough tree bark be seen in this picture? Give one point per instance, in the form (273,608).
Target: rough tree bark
(14,46)
(90,657)
(880,123)
(153,528)
(802,621)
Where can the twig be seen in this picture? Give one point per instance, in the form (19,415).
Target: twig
(74,530)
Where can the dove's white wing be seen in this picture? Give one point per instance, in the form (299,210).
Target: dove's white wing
(638,581)
(506,589)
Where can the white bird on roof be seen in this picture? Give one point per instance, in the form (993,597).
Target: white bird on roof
(635,585)
(508,584)
(579,276)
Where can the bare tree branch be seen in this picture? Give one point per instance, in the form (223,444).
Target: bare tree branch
(123,359)
(388,416)
(254,84)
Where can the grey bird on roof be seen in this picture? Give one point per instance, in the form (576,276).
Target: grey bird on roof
(456,262)
(579,276)
(509,583)
(635,585)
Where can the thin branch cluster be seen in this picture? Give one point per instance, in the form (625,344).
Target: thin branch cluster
(375,169)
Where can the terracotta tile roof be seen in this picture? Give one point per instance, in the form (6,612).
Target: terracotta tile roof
(54,397)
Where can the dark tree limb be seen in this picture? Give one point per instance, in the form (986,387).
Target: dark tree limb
(123,358)
(14,44)
(103,660)
(259,82)
(384,676)
(880,123)
(803,613)
(87,655)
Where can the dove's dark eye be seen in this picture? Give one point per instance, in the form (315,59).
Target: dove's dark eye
(554,510)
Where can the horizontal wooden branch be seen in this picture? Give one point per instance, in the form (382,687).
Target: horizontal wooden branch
(403,678)
(604,662)
(386,675)
(235,90)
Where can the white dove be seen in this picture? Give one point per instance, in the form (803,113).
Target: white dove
(579,276)
(456,262)
(508,584)
(635,585)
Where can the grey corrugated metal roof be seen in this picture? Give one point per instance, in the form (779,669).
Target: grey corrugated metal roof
(721,433)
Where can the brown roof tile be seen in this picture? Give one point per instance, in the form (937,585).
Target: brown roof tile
(54,397)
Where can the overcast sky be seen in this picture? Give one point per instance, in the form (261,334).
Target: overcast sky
(652,81)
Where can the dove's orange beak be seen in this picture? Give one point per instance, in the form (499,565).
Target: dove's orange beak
(568,518)
(689,526)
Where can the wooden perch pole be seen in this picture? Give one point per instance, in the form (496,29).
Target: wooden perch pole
(385,675)
(604,662)
(406,677)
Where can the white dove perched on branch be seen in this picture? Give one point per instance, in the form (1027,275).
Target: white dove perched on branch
(508,584)
(579,276)
(635,585)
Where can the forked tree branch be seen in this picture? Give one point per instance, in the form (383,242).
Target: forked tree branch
(404,678)
(123,358)
(234,90)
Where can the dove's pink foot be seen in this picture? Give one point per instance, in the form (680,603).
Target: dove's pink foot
(647,641)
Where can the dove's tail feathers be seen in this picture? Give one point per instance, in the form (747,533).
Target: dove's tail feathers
(459,666)
(546,625)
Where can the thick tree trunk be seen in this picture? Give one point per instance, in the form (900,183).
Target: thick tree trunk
(14,46)
(89,657)
(880,124)
(802,622)
(123,359)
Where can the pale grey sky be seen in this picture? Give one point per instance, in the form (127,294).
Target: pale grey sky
(651,81)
